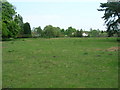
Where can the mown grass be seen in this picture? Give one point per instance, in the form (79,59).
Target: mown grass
(60,63)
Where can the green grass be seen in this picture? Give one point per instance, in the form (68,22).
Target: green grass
(60,63)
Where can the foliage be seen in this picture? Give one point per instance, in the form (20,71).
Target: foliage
(10,27)
(37,32)
(8,11)
(19,20)
(94,33)
(70,31)
(50,31)
(58,31)
(79,33)
(111,16)
(27,30)
(103,34)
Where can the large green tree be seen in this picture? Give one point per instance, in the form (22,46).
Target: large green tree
(9,27)
(19,20)
(70,31)
(57,31)
(111,16)
(39,31)
(94,33)
(50,31)
(79,33)
(27,30)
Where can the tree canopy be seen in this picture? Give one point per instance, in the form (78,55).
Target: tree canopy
(19,20)
(27,30)
(50,31)
(111,16)
(70,31)
(9,27)
(12,23)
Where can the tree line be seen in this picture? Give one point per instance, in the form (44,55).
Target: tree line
(14,27)
(50,31)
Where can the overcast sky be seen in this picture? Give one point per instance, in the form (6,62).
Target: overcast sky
(62,13)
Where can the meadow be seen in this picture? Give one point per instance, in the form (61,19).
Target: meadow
(60,63)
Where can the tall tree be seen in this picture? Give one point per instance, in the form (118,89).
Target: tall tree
(79,33)
(111,16)
(70,31)
(57,31)
(39,31)
(94,33)
(19,20)
(27,30)
(49,31)
(9,26)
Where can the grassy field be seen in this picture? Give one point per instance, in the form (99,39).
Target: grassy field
(60,63)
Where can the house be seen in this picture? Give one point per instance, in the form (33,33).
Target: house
(84,34)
